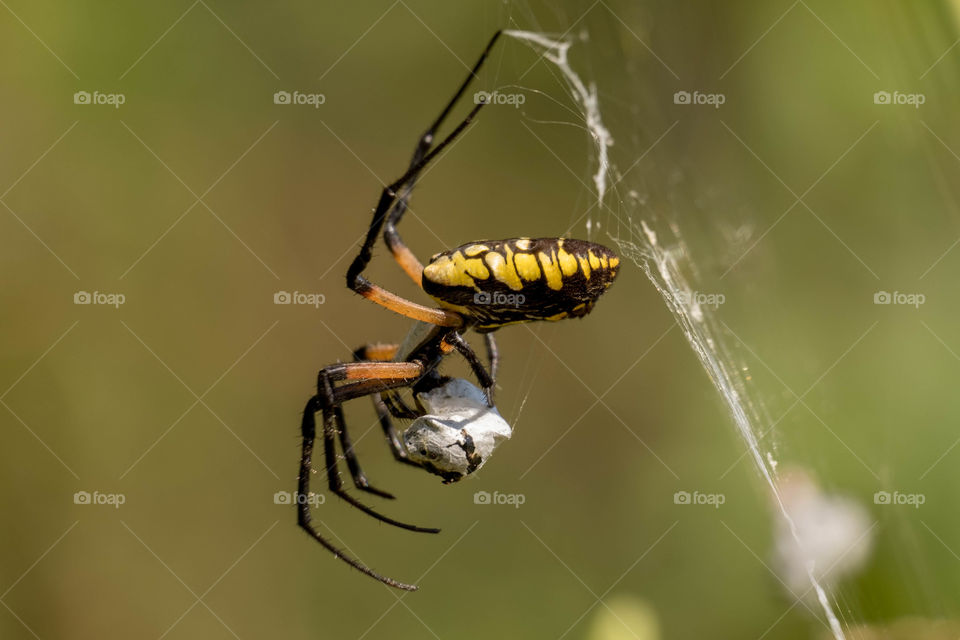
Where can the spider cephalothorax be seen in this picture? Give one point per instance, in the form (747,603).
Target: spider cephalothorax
(481,286)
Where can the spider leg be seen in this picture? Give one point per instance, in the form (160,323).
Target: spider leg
(386,352)
(390,432)
(401,253)
(493,354)
(463,347)
(356,472)
(387,206)
(308,429)
(397,408)
(363,378)
(331,426)
(377,294)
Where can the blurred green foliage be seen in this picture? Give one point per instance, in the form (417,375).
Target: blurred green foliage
(199,198)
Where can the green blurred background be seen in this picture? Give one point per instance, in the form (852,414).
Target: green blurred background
(199,198)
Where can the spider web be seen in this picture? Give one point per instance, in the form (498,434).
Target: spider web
(644,221)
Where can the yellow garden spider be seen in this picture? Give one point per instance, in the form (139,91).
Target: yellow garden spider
(481,286)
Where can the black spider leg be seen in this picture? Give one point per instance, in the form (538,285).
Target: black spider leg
(493,355)
(463,347)
(384,410)
(398,408)
(359,477)
(390,235)
(304,518)
(386,405)
(331,406)
(355,280)
(327,402)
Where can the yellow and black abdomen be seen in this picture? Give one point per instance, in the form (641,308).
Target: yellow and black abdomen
(500,282)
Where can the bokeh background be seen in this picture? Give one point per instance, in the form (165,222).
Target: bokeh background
(797,200)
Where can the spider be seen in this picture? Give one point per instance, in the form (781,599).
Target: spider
(481,286)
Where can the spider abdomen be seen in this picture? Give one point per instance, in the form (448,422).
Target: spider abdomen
(500,282)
